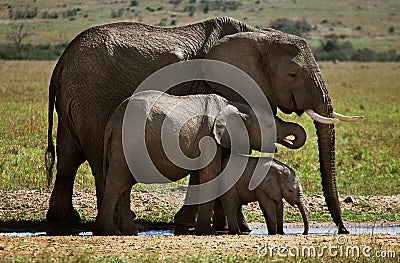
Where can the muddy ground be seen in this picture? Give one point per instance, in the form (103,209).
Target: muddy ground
(21,209)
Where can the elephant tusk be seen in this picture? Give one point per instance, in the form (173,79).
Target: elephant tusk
(288,141)
(316,117)
(347,118)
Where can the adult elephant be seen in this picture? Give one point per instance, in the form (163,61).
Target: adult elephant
(104,65)
(100,68)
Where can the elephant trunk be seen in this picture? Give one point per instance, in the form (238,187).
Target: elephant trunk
(304,215)
(326,147)
(293,129)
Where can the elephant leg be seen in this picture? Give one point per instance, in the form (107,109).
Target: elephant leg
(219,218)
(97,171)
(209,191)
(203,226)
(231,205)
(117,183)
(125,220)
(186,216)
(69,158)
(244,227)
(268,208)
(279,218)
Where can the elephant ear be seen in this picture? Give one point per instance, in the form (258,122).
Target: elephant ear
(229,127)
(245,51)
(271,184)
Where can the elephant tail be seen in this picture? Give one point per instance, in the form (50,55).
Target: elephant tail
(50,151)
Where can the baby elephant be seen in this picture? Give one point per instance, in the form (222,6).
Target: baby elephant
(154,137)
(280,181)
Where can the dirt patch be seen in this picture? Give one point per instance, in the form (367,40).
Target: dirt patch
(33,204)
(161,248)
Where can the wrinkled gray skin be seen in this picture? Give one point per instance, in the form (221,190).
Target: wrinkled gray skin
(100,68)
(186,221)
(280,182)
(213,112)
(104,65)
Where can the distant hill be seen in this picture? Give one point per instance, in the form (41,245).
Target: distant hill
(364,24)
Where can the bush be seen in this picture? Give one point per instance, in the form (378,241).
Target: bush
(207,5)
(23,14)
(163,22)
(50,14)
(333,49)
(30,52)
(117,13)
(150,9)
(292,27)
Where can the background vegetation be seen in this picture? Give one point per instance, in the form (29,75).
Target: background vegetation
(368,152)
(361,30)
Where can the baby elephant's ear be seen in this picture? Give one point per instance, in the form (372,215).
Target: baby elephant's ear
(272,186)
(230,131)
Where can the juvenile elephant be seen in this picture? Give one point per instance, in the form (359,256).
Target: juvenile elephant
(280,182)
(192,118)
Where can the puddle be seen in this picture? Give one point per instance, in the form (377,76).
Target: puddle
(258,230)
(327,230)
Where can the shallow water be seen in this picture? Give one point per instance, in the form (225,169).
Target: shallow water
(257,231)
(326,230)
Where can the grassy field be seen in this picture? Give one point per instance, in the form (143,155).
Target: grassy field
(368,152)
(367,164)
(366,23)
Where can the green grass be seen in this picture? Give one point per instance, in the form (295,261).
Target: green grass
(367,152)
(23,111)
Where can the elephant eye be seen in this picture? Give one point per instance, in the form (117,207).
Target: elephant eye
(293,74)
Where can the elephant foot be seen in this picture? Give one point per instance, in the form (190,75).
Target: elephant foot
(105,230)
(131,230)
(62,214)
(186,216)
(244,228)
(343,230)
(235,232)
(205,231)
(182,230)
(220,227)
(128,227)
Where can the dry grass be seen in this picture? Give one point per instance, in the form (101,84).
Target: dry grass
(366,23)
(376,248)
(367,154)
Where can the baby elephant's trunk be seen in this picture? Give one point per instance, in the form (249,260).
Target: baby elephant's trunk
(303,211)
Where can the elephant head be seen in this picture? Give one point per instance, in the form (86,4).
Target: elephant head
(228,132)
(282,182)
(285,69)
(254,127)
